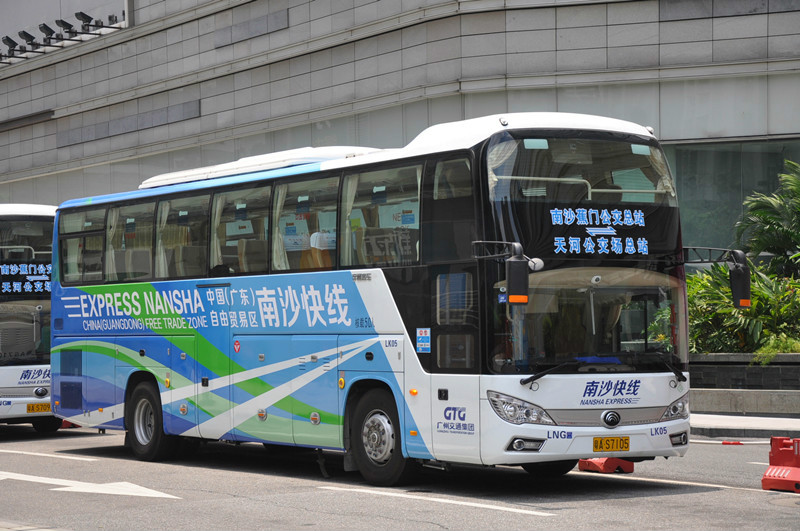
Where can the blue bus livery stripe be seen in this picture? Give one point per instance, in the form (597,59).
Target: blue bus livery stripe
(194,186)
(284,317)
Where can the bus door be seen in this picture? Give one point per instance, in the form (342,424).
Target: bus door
(449,226)
(455,419)
(213,368)
(455,380)
(180,413)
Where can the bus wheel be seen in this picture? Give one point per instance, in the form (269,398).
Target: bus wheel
(144,420)
(550,469)
(376,440)
(47,424)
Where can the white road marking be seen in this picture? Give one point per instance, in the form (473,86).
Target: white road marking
(676,482)
(121,488)
(74,458)
(442,500)
(731,443)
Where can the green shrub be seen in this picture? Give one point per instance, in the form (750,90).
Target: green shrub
(770,223)
(771,322)
(775,345)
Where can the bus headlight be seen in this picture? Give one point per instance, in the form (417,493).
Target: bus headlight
(678,409)
(517,411)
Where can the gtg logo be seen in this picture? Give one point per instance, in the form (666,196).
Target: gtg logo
(455,413)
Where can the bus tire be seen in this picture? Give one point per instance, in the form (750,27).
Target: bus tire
(376,440)
(47,424)
(146,427)
(550,469)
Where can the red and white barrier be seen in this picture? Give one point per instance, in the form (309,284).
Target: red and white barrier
(784,465)
(606,465)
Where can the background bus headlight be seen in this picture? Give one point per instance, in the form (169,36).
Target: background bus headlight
(678,409)
(517,411)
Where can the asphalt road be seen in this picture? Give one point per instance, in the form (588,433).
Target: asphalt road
(81,479)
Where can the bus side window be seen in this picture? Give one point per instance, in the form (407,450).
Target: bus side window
(182,237)
(301,210)
(129,242)
(380,217)
(93,260)
(453,179)
(82,245)
(448,226)
(454,330)
(240,231)
(455,351)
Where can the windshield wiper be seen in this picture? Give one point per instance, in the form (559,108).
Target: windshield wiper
(536,376)
(678,374)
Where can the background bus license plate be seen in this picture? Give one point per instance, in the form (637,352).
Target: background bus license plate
(39,408)
(612,444)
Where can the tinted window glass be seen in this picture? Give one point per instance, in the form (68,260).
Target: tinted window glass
(182,237)
(129,242)
(240,231)
(380,221)
(304,218)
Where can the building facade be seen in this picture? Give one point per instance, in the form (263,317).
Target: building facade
(199,82)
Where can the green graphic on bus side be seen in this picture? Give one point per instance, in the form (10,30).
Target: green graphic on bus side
(215,360)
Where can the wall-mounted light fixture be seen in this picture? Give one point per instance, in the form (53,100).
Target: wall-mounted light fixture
(11,43)
(68,28)
(48,31)
(89,26)
(87,21)
(50,36)
(31,41)
(12,46)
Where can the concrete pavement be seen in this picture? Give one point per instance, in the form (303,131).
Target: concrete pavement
(746,426)
(714,426)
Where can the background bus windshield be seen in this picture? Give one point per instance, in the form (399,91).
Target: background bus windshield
(25,264)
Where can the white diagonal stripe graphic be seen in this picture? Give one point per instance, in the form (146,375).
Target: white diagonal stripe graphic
(241,412)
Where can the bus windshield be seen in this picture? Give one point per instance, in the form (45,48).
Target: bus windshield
(567,166)
(600,210)
(25,251)
(615,320)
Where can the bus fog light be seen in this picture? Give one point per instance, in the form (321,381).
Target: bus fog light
(679,439)
(517,411)
(526,445)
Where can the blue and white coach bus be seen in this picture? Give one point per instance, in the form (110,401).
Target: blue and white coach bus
(26,241)
(505,290)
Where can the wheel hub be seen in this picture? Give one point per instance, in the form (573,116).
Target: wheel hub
(377,436)
(143,422)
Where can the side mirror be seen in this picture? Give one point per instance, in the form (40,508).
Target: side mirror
(517,276)
(740,279)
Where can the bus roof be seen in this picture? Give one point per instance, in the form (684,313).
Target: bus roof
(451,136)
(270,161)
(466,133)
(27,209)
